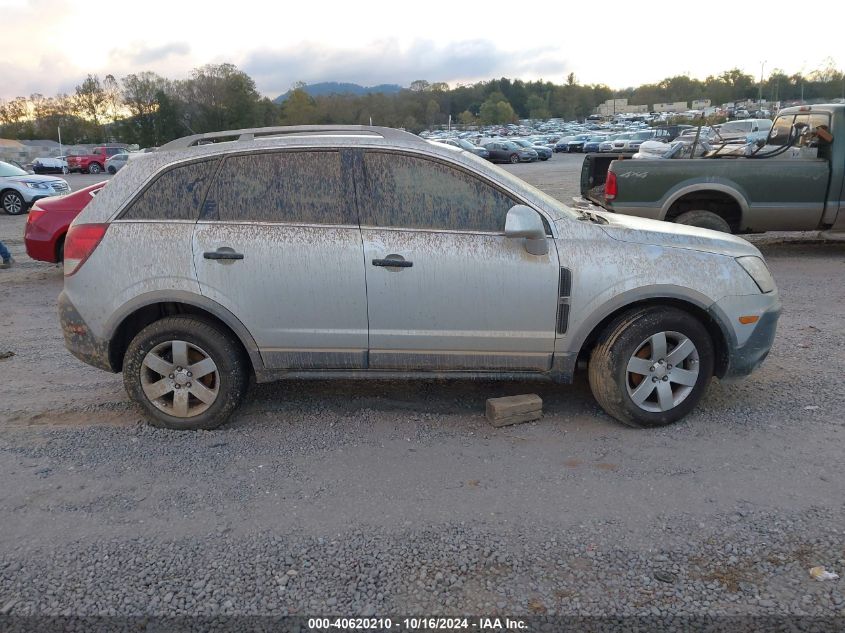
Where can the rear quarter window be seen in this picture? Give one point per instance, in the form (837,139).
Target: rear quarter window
(176,194)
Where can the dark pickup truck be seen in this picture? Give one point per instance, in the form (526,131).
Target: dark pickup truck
(793,183)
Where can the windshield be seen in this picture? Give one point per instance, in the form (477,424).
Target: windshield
(510,145)
(7,170)
(466,145)
(642,136)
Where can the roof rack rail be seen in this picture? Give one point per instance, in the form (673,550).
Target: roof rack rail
(251,134)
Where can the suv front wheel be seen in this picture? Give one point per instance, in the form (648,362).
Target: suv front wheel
(651,366)
(186,372)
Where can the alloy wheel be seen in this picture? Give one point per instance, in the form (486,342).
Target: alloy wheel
(180,379)
(662,372)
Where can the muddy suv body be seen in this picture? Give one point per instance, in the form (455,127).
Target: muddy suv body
(368,252)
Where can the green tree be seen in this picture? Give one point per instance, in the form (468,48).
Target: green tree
(537,108)
(497,109)
(91,101)
(299,108)
(432,112)
(420,85)
(466,118)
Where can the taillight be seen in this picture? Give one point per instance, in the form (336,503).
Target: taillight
(80,242)
(610,186)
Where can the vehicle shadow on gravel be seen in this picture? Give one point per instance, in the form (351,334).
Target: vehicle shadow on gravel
(425,396)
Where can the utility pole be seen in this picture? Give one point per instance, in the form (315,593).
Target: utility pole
(760,87)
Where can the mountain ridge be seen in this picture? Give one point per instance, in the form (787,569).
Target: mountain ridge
(324,88)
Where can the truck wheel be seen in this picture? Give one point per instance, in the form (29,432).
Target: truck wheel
(651,366)
(705,220)
(186,373)
(13,203)
(94,168)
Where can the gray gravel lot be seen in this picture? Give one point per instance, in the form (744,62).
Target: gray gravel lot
(398,498)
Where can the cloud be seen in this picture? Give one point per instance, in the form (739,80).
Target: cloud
(385,61)
(140,54)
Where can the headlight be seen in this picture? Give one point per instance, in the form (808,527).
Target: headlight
(35,185)
(758,271)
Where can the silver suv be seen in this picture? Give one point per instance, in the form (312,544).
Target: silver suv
(368,252)
(19,189)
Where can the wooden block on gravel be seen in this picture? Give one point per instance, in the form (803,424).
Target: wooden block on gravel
(514,409)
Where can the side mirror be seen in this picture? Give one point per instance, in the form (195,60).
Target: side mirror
(525,222)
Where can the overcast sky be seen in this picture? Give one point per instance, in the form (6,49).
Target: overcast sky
(48,46)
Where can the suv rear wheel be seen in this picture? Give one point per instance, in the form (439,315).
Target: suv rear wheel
(186,373)
(651,366)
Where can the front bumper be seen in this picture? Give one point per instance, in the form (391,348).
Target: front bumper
(747,345)
(78,338)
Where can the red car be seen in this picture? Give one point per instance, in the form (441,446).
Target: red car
(49,219)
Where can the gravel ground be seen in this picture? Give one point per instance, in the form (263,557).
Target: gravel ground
(398,498)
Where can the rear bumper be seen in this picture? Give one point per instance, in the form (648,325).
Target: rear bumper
(78,338)
(742,359)
(40,241)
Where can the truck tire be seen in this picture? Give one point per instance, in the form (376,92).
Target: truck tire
(651,366)
(157,373)
(704,220)
(94,168)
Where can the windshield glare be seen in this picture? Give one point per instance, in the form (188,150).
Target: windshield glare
(7,170)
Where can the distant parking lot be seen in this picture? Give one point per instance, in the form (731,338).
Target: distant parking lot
(392,497)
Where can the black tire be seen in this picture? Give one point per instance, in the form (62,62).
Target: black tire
(112,170)
(608,368)
(705,220)
(232,372)
(13,203)
(60,250)
(94,168)
(514,158)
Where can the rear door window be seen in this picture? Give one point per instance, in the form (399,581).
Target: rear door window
(176,194)
(292,187)
(417,193)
